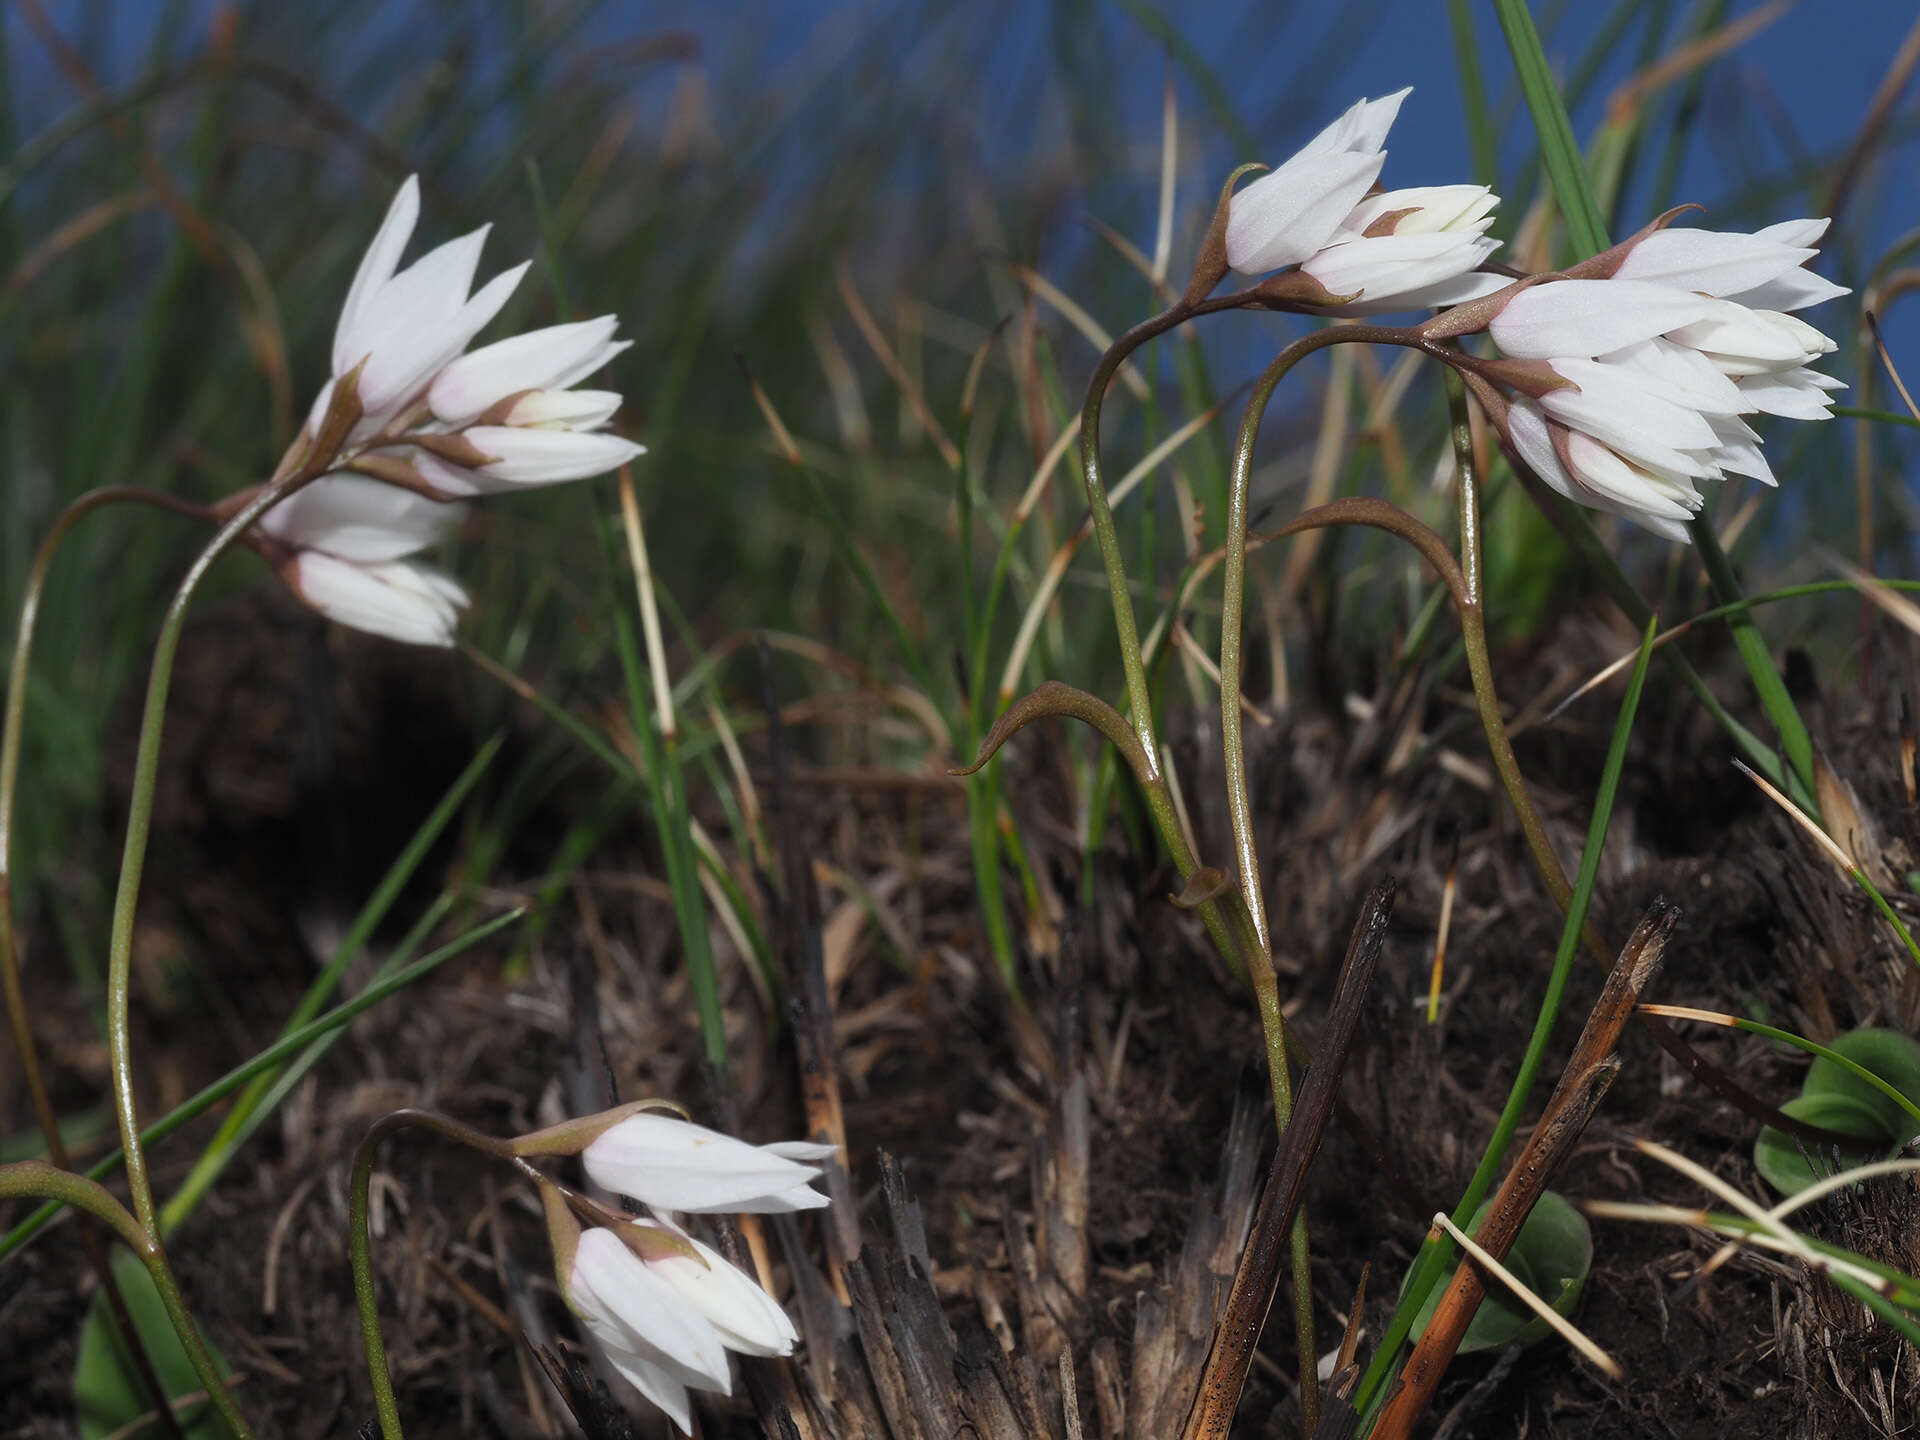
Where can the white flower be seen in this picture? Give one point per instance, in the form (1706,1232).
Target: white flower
(1411,250)
(398,599)
(422,400)
(354,518)
(404,327)
(746,1318)
(1286,215)
(659,1342)
(671,1164)
(1590,317)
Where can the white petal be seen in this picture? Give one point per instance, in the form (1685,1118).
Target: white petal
(1626,417)
(1533,441)
(1813,341)
(1391,282)
(536,360)
(1286,215)
(564,409)
(610,1282)
(1735,335)
(805,1151)
(659,1384)
(1739,454)
(1795,232)
(1590,317)
(354,518)
(1600,470)
(1796,394)
(1795,290)
(376,268)
(1710,261)
(399,600)
(1425,208)
(1676,373)
(675,1165)
(408,364)
(746,1317)
(546,457)
(1363,126)
(1527,425)
(800,1197)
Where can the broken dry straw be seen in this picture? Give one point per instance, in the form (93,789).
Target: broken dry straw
(1839,856)
(1563,1327)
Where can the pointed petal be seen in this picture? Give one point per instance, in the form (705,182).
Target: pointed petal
(610,1282)
(536,360)
(546,457)
(376,268)
(401,601)
(1289,213)
(1795,290)
(1710,261)
(564,409)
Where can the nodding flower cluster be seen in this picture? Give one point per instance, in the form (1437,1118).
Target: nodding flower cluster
(1623,380)
(664,1308)
(438,423)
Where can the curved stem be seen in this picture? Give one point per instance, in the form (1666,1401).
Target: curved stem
(38,1179)
(1104,532)
(10,746)
(340,418)
(1240,805)
(1234,581)
(360,1241)
(11,739)
(139,822)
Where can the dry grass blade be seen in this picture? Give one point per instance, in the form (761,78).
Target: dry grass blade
(1607,672)
(1886,360)
(1169,164)
(1896,605)
(1874,123)
(884,353)
(1075,315)
(1259,1274)
(1329,450)
(1447,890)
(1624,104)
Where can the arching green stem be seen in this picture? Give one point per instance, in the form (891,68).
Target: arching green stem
(11,740)
(1252,913)
(317,459)
(1234,595)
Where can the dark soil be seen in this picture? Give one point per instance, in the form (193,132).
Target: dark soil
(263,846)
